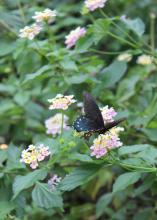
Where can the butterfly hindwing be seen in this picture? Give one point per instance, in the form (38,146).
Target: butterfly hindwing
(84,124)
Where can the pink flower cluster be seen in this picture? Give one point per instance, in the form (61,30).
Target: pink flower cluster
(33,154)
(94,4)
(73,36)
(53,124)
(108,114)
(54,181)
(105,142)
(61,102)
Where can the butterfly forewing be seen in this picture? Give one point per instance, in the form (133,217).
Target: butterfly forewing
(92,110)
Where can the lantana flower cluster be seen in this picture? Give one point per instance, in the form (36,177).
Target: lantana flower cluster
(73,36)
(94,4)
(110,139)
(45,16)
(105,142)
(61,102)
(34,154)
(30,32)
(3,146)
(144,60)
(53,124)
(54,181)
(108,114)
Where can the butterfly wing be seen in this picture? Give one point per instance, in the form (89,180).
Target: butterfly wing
(92,111)
(84,124)
(110,125)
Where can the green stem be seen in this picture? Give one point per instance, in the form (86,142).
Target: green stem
(119,28)
(38,50)
(106,52)
(21,12)
(152,31)
(62,123)
(150,51)
(122,40)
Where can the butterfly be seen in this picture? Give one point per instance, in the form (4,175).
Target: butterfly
(92,121)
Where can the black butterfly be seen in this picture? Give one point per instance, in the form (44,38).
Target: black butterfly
(92,121)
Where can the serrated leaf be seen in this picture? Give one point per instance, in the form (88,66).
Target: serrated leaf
(148,182)
(84,43)
(44,197)
(132,149)
(79,177)
(24,182)
(5,208)
(113,73)
(151,133)
(125,180)
(100,29)
(38,73)
(135,25)
(102,203)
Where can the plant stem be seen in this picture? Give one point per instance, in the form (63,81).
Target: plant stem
(62,123)
(122,40)
(106,52)
(119,28)
(152,31)
(21,12)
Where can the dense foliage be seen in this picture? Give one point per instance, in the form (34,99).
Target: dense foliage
(115,60)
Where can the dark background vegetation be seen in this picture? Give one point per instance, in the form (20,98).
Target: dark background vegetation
(26,84)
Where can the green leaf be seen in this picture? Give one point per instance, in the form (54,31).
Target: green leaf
(39,73)
(46,198)
(84,43)
(77,79)
(132,149)
(113,73)
(6,48)
(151,133)
(81,157)
(24,182)
(102,203)
(100,29)
(79,177)
(125,180)
(149,155)
(147,183)
(135,25)
(5,208)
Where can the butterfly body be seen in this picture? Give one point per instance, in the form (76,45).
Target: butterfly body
(92,121)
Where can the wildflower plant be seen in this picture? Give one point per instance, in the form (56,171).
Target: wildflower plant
(64,53)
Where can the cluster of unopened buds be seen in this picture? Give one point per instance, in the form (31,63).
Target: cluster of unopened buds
(34,154)
(54,181)
(61,102)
